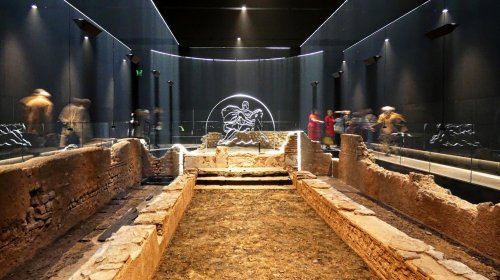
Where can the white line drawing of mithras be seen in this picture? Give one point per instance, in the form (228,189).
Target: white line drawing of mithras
(236,119)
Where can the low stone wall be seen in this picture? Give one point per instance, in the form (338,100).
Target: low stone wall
(272,140)
(390,253)
(222,158)
(135,251)
(44,197)
(416,195)
(167,165)
(312,157)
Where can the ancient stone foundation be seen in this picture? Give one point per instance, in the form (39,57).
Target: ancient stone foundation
(390,253)
(44,197)
(416,195)
(134,251)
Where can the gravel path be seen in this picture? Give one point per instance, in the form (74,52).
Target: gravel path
(257,234)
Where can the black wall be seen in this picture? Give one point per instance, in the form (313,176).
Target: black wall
(354,20)
(449,79)
(44,48)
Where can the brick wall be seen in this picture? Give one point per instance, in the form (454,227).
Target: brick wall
(44,197)
(416,195)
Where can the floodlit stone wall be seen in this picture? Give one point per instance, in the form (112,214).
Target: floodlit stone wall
(272,139)
(44,197)
(418,196)
(312,157)
(223,158)
(390,253)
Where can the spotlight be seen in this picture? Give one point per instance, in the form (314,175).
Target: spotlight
(34,6)
(243,8)
(337,74)
(343,61)
(386,40)
(124,60)
(134,58)
(445,11)
(239,38)
(86,37)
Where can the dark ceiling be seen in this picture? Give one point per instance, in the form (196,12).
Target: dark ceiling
(265,23)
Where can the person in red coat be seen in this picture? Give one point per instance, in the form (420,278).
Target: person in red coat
(329,131)
(313,131)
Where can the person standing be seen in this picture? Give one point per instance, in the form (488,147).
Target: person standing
(329,129)
(38,112)
(313,131)
(392,123)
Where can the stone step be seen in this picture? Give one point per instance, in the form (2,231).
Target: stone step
(223,180)
(243,172)
(244,187)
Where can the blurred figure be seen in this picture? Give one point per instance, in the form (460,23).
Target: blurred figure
(329,131)
(368,126)
(38,112)
(76,121)
(86,134)
(141,124)
(355,123)
(340,124)
(313,131)
(392,123)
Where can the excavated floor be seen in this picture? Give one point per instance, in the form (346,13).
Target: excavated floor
(256,234)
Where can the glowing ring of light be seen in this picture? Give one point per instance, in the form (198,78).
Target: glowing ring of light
(238,95)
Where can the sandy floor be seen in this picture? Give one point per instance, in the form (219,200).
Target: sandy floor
(451,249)
(257,234)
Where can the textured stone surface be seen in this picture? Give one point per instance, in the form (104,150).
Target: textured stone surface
(389,252)
(456,267)
(44,197)
(416,195)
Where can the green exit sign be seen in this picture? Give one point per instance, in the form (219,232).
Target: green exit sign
(138,72)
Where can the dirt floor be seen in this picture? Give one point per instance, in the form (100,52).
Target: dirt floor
(68,253)
(257,234)
(451,249)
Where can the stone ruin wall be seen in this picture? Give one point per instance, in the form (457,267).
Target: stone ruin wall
(418,196)
(166,165)
(44,197)
(275,139)
(312,157)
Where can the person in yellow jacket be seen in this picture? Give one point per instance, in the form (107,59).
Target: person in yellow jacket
(391,123)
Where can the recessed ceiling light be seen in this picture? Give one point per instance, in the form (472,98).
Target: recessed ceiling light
(445,10)
(239,38)
(386,39)
(343,61)
(86,37)
(34,6)
(243,8)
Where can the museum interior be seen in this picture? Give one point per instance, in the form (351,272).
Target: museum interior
(339,139)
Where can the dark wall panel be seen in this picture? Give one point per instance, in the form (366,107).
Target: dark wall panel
(44,48)
(449,79)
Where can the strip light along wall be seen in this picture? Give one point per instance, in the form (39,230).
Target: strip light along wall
(158,11)
(324,22)
(426,2)
(93,22)
(232,60)
(268,48)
